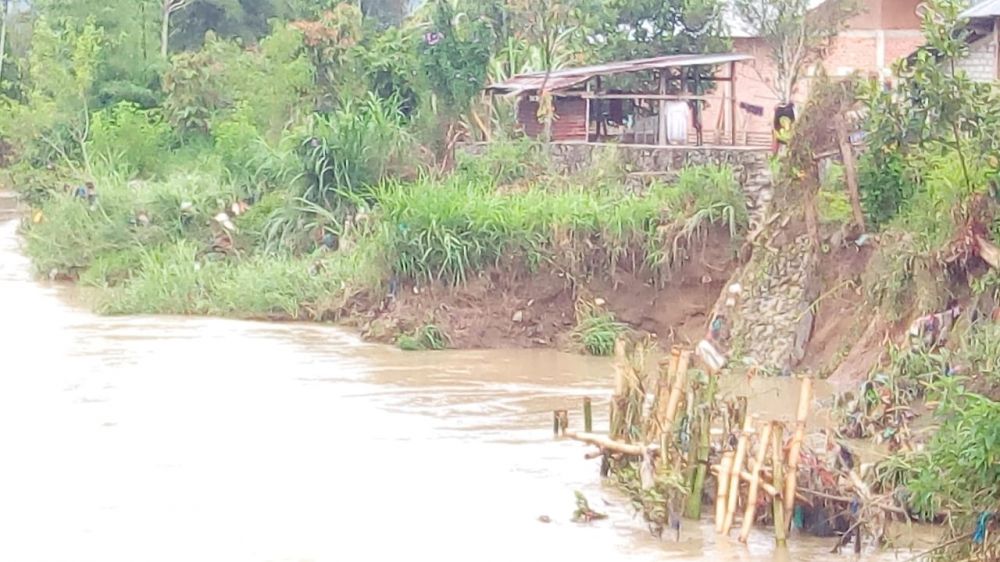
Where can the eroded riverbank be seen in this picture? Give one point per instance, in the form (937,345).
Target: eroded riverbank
(197,439)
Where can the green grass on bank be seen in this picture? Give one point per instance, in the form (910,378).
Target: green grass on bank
(425,230)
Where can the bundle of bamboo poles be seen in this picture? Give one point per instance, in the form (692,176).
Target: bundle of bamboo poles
(758,464)
(741,467)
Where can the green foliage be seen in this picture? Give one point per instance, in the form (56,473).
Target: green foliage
(390,64)
(353,148)
(833,204)
(504,161)
(886,187)
(194,88)
(596,332)
(331,44)
(440,231)
(456,65)
(937,109)
(934,211)
(173,279)
(960,471)
(130,139)
(796,33)
(627,29)
(252,162)
(426,337)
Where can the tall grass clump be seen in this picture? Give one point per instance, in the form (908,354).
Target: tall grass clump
(169,280)
(426,337)
(130,139)
(596,329)
(72,232)
(175,279)
(440,231)
(355,146)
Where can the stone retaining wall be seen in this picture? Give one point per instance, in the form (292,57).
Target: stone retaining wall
(773,320)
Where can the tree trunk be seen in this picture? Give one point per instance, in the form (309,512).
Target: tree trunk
(165,30)
(850,171)
(810,189)
(3,35)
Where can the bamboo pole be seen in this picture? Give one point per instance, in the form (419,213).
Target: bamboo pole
(741,410)
(588,415)
(693,508)
(607,443)
(777,440)
(765,485)
(722,492)
(677,390)
(750,512)
(680,378)
(663,386)
(617,418)
(734,478)
(795,449)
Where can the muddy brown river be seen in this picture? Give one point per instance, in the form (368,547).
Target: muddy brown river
(163,439)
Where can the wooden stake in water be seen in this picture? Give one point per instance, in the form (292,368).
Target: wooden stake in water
(676,391)
(795,449)
(703,424)
(750,513)
(616,427)
(777,441)
(721,494)
(588,419)
(560,422)
(734,475)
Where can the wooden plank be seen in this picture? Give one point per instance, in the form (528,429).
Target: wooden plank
(732,87)
(662,117)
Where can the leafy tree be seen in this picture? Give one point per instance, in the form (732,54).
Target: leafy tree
(627,29)
(274,80)
(63,66)
(386,12)
(4,15)
(390,65)
(246,20)
(936,108)
(129,68)
(167,11)
(331,42)
(795,34)
(456,52)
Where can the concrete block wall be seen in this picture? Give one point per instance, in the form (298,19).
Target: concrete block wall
(981,63)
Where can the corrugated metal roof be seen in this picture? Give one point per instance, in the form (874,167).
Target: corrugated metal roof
(984,9)
(569,77)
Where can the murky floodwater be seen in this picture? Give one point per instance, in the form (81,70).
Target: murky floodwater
(203,440)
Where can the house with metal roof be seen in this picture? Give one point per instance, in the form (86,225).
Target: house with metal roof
(642,102)
(880,34)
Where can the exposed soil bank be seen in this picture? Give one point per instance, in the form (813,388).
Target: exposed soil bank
(501,309)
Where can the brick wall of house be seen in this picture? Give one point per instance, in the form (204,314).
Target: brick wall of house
(853,51)
(884,32)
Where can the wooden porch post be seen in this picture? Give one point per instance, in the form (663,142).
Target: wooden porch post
(490,108)
(732,100)
(662,140)
(586,122)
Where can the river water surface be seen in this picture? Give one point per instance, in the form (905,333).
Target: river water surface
(162,439)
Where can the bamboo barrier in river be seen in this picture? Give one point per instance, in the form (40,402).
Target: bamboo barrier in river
(691,436)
